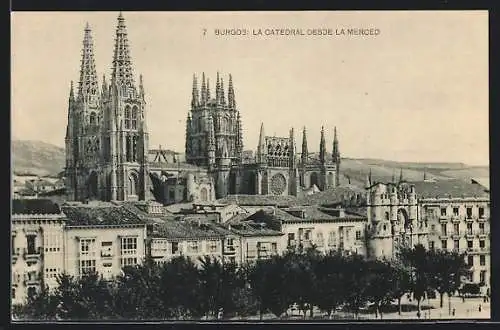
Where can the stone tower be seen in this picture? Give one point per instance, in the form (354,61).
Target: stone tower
(393,219)
(107,136)
(83,143)
(213,115)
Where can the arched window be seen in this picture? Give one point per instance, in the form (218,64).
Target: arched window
(133,187)
(314,179)
(203,194)
(93,120)
(386,215)
(127,117)
(134,117)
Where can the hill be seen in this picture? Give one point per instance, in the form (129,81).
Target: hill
(36,157)
(40,158)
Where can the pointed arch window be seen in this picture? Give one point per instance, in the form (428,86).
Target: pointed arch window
(133,184)
(127,117)
(93,119)
(134,118)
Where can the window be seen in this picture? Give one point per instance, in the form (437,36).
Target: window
(358,235)
(230,242)
(482,260)
(13,293)
(481,244)
(481,212)
(127,117)
(106,249)
(431,245)
(470,260)
(291,239)
(444,244)
(469,244)
(433,227)
(171,194)
(193,247)
(443,229)
(332,239)
(307,235)
(274,247)
(31,291)
(481,228)
(456,228)
(455,211)
(456,244)
(469,212)
(175,247)
(87,246)
(469,229)
(93,120)
(212,246)
(386,215)
(319,239)
(130,261)
(482,276)
(134,118)
(87,266)
(443,211)
(129,245)
(13,244)
(31,239)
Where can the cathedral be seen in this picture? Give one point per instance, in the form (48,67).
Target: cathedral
(108,158)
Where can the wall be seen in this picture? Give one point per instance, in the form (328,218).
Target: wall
(106,258)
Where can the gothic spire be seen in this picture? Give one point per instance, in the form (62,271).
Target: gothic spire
(335,151)
(230,94)
(217,90)
(370,176)
(195,95)
(305,152)
(141,86)
(322,146)
(221,92)
(239,137)
(208,90)
(401,179)
(203,89)
(211,134)
(393,180)
(188,136)
(292,147)
(122,65)
(425,174)
(261,148)
(71,93)
(104,88)
(87,86)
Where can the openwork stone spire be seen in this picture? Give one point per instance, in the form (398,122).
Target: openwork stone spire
(122,65)
(222,98)
(88,85)
(335,151)
(305,153)
(203,89)
(322,146)
(195,98)
(230,94)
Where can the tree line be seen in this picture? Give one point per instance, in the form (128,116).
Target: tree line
(306,278)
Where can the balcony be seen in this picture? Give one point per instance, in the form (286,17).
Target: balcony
(467,219)
(15,255)
(483,250)
(443,236)
(455,235)
(455,219)
(230,250)
(482,235)
(443,219)
(32,280)
(483,219)
(470,235)
(32,255)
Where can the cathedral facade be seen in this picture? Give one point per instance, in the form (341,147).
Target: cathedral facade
(108,157)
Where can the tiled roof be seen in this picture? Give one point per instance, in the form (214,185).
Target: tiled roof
(257,200)
(35,206)
(174,229)
(485,182)
(55,192)
(332,196)
(176,208)
(175,166)
(455,188)
(252,229)
(100,215)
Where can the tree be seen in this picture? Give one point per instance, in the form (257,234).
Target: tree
(331,291)
(449,268)
(42,306)
(402,281)
(421,272)
(179,288)
(356,283)
(381,283)
(267,282)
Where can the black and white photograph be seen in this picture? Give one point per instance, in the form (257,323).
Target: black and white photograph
(250,166)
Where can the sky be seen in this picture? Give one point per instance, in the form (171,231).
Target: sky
(416,89)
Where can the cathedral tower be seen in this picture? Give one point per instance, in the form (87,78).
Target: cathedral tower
(106,138)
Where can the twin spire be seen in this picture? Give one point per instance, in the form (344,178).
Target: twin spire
(87,85)
(121,75)
(322,147)
(203,97)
